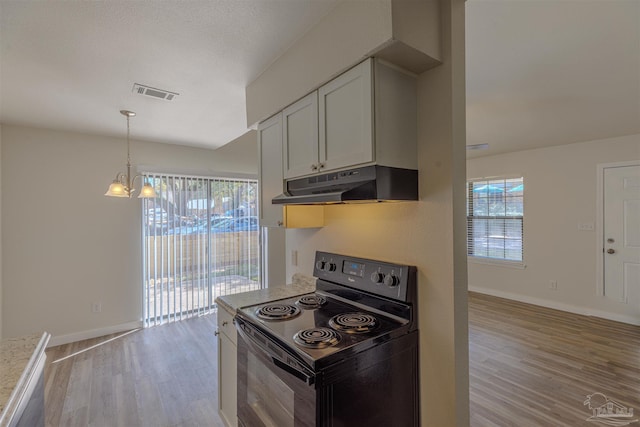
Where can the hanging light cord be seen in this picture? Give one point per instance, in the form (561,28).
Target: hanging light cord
(129,183)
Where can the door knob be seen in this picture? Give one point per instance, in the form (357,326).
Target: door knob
(611,251)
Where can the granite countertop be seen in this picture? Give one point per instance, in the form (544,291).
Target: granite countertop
(301,285)
(18,359)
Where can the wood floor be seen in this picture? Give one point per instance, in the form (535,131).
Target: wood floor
(157,377)
(529,366)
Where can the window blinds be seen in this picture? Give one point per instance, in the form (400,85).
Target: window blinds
(495,212)
(200,240)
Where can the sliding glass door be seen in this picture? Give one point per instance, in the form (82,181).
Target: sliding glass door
(201,240)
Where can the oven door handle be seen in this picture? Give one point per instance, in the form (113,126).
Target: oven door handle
(257,347)
(308,379)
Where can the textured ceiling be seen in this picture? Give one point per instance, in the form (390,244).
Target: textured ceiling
(71,65)
(539,72)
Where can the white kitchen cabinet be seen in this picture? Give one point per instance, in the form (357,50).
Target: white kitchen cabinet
(367,115)
(345,125)
(270,179)
(270,175)
(300,137)
(227,368)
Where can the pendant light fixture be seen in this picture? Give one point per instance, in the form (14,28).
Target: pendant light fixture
(122,186)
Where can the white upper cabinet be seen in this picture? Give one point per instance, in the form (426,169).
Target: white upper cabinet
(300,137)
(366,115)
(270,137)
(270,170)
(345,119)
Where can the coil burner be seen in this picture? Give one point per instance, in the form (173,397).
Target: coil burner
(317,338)
(278,311)
(309,302)
(353,323)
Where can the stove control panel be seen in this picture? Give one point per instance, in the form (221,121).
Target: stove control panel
(376,277)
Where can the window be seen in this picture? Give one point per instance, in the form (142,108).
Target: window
(201,240)
(495,214)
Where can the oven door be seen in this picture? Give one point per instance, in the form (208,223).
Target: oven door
(274,390)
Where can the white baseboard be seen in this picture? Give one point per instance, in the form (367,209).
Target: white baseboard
(93,333)
(557,305)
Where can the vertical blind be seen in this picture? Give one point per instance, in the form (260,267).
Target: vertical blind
(200,240)
(495,213)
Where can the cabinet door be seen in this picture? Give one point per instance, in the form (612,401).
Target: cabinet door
(346,125)
(227,367)
(300,134)
(227,377)
(270,180)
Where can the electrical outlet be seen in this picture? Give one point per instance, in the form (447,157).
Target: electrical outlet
(294,258)
(553,284)
(96,307)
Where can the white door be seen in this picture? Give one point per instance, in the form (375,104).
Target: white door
(621,250)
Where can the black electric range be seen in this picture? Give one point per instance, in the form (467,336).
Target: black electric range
(358,329)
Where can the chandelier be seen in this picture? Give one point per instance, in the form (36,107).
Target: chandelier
(122,185)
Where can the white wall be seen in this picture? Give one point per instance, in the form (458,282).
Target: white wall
(0,232)
(560,193)
(65,245)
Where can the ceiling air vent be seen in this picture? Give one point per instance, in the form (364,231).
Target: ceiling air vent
(154,92)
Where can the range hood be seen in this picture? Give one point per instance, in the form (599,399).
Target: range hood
(366,184)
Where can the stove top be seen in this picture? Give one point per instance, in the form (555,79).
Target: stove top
(357,305)
(319,333)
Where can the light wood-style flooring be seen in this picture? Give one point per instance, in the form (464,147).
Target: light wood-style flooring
(156,377)
(529,366)
(533,366)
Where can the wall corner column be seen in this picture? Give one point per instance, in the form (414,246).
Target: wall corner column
(443,281)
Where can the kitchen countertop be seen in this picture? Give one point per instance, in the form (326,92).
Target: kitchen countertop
(18,360)
(301,285)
